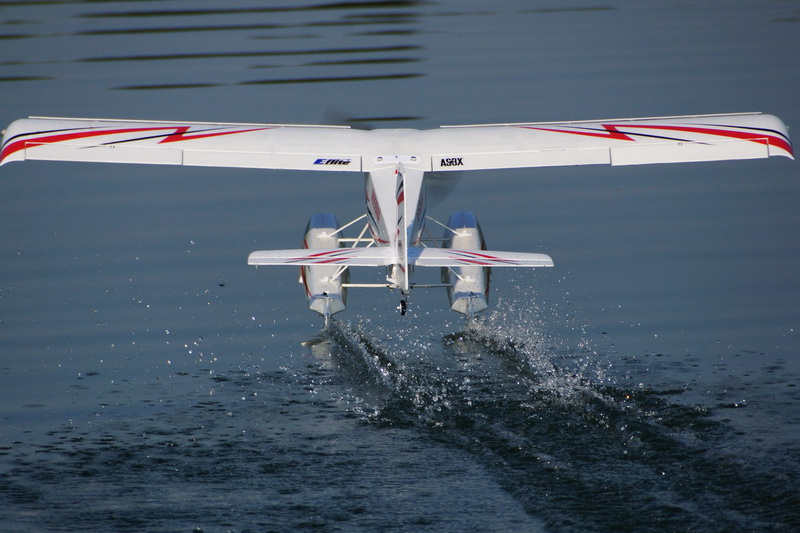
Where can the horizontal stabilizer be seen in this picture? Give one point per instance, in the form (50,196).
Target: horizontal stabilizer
(334,256)
(448,257)
(385,256)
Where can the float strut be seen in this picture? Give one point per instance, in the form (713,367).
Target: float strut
(327,315)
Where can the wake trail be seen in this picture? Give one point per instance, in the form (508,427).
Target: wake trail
(573,446)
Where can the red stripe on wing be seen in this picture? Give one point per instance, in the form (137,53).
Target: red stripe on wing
(178,134)
(760,137)
(16,146)
(611,132)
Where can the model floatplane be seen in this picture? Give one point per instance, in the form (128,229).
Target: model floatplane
(399,165)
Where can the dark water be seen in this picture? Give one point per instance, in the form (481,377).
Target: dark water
(151,381)
(484,429)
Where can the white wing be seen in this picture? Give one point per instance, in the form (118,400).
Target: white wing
(614,142)
(274,146)
(491,146)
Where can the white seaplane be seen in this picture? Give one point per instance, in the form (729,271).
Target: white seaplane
(400,166)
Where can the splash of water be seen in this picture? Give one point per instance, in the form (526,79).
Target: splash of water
(559,434)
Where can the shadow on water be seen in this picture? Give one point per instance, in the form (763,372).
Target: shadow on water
(576,450)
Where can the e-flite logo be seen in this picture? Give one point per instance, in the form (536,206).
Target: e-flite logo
(332,162)
(451,162)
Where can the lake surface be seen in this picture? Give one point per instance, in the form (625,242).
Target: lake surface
(151,381)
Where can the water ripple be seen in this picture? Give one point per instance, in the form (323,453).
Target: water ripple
(333,6)
(250,53)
